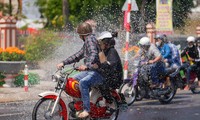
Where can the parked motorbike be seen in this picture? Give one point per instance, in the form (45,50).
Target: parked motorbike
(52,106)
(179,77)
(138,86)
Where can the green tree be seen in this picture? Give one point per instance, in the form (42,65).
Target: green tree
(110,10)
(5,8)
(52,11)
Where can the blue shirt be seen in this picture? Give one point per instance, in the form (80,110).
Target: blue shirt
(165,51)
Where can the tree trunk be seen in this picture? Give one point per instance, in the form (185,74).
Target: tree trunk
(142,9)
(10,7)
(19,10)
(65,9)
(143,18)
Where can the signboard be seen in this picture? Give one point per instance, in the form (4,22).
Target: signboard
(164,17)
(134,6)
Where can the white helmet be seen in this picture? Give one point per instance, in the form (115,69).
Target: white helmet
(190,39)
(144,41)
(104,34)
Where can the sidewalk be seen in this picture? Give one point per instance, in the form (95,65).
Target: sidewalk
(15,94)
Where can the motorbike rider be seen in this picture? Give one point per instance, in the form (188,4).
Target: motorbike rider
(191,53)
(89,76)
(164,49)
(111,66)
(150,52)
(175,56)
(198,59)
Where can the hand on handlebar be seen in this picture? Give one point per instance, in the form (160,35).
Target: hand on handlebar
(60,66)
(82,68)
(150,62)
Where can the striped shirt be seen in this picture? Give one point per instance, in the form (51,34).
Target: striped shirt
(89,52)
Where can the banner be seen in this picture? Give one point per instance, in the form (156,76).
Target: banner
(164,17)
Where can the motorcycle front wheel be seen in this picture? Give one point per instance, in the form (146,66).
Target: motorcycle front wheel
(129,92)
(43,108)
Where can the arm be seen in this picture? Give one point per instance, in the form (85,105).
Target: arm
(138,54)
(74,58)
(155,52)
(156,59)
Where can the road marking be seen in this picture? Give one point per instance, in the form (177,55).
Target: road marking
(12,114)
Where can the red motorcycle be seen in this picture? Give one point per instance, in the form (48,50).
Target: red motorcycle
(52,105)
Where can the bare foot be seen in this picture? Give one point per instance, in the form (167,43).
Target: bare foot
(83,114)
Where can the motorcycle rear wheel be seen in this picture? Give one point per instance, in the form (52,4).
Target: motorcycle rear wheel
(114,115)
(41,111)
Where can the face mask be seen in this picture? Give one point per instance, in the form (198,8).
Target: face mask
(158,44)
(198,44)
(190,46)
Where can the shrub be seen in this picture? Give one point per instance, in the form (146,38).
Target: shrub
(32,79)
(12,54)
(39,46)
(1,79)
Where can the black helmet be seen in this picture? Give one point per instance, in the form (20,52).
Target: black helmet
(84,29)
(159,36)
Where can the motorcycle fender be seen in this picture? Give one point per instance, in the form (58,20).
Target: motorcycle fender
(46,93)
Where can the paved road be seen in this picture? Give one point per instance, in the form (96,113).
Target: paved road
(185,106)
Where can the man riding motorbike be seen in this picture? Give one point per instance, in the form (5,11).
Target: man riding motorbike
(89,76)
(191,53)
(151,53)
(164,49)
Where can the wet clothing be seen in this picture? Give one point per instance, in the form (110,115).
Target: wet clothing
(193,53)
(87,79)
(91,77)
(165,52)
(156,68)
(151,54)
(175,55)
(112,71)
(89,52)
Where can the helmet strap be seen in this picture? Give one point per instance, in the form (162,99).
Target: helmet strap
(83,38)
